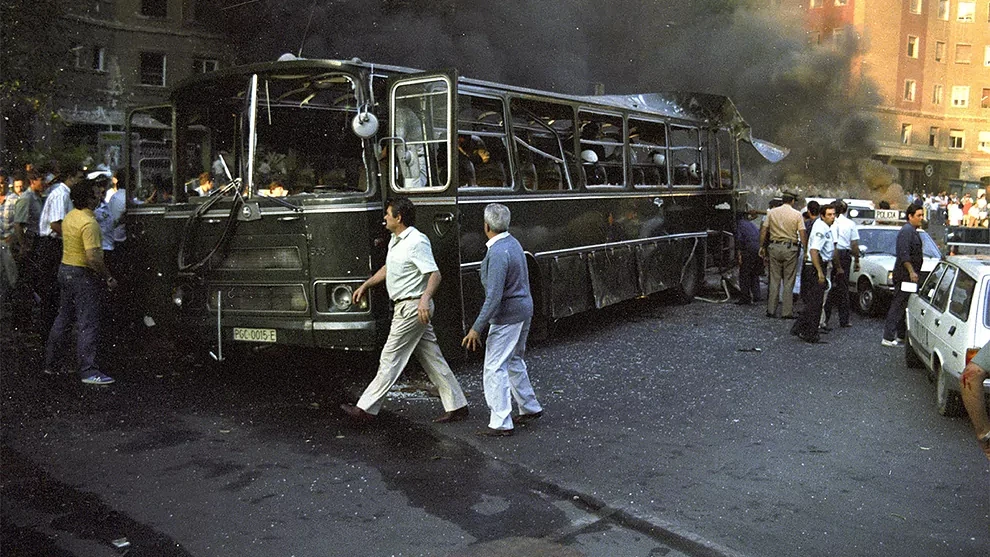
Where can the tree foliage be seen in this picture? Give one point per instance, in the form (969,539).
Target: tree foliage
(34,47)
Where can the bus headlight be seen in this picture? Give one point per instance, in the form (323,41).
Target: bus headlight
(341,297)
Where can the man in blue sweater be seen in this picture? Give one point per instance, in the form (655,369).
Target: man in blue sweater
(508,309)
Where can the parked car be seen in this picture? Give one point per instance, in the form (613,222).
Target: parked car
(948,321)
(873,285)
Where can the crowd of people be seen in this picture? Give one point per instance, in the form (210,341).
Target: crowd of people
(61,238)
(821,246)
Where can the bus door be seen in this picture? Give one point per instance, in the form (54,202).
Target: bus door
(423,167)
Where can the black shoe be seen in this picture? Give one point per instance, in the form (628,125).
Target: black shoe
(770,315)
(357,414)
(811,339)
(523,419)
(788,317)
(845,325)
(452,416)
(826,329)
(489,432)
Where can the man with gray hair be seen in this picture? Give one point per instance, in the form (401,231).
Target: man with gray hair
(508,310)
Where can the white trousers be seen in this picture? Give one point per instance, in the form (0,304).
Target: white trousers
(407,336)
(505,374)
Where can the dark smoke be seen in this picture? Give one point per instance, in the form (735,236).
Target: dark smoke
(792,94)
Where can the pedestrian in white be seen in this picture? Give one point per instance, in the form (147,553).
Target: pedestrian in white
(508,310)
(412,278)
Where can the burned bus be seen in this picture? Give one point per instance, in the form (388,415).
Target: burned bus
(612,197)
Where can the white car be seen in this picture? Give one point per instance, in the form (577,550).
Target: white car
(873,285)
(948,321)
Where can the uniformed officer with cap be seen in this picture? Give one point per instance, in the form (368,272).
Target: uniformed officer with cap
(784,228)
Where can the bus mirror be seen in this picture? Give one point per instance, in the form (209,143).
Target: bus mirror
(364,124)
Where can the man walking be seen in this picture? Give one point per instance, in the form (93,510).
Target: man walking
(846,237)
(785,229)
(815,276)
(82,277)
(906,268)
(412,278)
(508,310)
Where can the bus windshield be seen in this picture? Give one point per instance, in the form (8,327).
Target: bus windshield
(303,142)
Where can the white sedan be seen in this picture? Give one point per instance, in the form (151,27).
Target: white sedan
(873,284)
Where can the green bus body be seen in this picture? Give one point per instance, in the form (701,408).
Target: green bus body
(611,197)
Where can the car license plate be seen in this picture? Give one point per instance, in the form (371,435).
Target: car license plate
(254,335)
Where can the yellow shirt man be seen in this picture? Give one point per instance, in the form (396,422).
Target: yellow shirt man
(80,232)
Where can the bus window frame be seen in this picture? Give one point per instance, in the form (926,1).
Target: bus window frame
(699,149)
(451,125)
(512,185)
(571,186)
(666,152)
(624,146)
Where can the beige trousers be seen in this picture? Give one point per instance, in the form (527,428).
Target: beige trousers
(406,337)
(782,263)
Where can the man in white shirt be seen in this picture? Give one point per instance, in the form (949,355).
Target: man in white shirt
(412,278)
(814,278)
(48,254)
(845,234)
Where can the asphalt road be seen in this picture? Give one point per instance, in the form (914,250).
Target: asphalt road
(665,434)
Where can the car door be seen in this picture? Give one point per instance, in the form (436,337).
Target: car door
(953,328)
(934,320)
(920,307)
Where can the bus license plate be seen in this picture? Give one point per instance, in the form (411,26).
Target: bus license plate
(254,335)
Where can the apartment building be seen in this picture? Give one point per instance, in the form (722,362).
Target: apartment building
(930,61)
(128,53)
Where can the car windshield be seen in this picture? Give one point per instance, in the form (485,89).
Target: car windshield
(884,240)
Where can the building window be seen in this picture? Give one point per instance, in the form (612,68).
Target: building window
(841,2)
(99,56)
(816,3)
(837,36)
(910,88)
(815,38)
(154,8)
(986,55)
(966,12)
(939,51)
(984,145)
(204,65)
(937,93)
(960,96)
(153,69)
(985,98)
(943,10)
(957,139)
(905,134)
(964,53)
(915,6)
(76,55)
(912,47)
(933,137)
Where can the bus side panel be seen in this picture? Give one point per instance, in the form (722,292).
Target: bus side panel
(613,275)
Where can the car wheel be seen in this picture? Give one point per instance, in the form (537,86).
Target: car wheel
(911,357)
(866,298)
(946,400)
